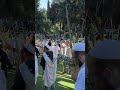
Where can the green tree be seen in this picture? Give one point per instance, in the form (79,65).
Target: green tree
(43,25)
(76,11)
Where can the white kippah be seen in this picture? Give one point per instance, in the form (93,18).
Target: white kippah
(30,48)
(79,46)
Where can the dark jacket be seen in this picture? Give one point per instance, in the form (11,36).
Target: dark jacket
(37,52)
(43,62)
(4,60)
(19,83)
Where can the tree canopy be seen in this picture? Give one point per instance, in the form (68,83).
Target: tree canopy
(75,8)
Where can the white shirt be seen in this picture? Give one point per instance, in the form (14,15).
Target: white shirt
(80,82)
(43,43)
(55,50)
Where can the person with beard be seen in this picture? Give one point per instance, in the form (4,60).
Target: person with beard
(49,65)
(103,66)
(25,75)
(78,52)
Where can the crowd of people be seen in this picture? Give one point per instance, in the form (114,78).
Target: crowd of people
(17,50)
(21,50)
(99,68)
(51,50)
(101,62)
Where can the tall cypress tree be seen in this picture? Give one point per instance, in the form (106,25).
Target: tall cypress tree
(48,10)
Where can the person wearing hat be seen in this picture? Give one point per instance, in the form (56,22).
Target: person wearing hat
(78,52)
(25,75)
(48,64)
(103,66)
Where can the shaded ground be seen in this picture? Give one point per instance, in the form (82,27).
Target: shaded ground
(63,82)
(10,78)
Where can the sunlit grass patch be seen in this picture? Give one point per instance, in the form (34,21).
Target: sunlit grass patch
(63,81)
(66,84)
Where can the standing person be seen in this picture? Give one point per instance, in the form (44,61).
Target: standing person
(48,64)
(78,52)
(32,42)
(40,47)
(25,75)
(63,48)
(4,59)
(3,85)
(103,65)
(56,50)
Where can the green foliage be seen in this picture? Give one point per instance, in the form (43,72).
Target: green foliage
(43,25)
(57,12)
(63,81)
(56,16)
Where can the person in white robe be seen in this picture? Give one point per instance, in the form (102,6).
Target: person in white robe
(78,52)
(49,64)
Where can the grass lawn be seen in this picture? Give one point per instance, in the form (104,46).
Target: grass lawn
(10,78)
(63,82)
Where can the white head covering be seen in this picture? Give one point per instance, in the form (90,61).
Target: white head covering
(30,48)
(79,46)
